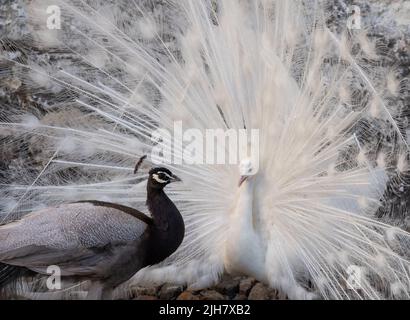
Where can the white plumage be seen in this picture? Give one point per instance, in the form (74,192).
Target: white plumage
(245,248)
(315,95)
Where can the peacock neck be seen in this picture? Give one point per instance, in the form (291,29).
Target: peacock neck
(159,204)
(245,202)
(243,248)
(168,229)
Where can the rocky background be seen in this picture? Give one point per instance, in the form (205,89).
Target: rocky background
(229,288)
(387,20)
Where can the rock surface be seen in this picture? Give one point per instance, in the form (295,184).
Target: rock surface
(229,288)
(211,295)
(170,292)
(188,295)
(259,292)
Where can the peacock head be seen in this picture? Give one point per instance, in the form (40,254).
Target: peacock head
(160,177)
(246,170)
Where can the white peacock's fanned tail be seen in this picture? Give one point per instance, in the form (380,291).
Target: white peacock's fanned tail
(325,107)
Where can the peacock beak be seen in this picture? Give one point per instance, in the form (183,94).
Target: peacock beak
(175,178)
(241,180)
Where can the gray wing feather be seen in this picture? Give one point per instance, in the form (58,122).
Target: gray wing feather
(68,235)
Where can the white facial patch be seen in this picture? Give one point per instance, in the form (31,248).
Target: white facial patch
(158,179)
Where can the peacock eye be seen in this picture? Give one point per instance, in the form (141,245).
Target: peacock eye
(163,176)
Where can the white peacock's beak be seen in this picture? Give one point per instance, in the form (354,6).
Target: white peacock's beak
(241,180)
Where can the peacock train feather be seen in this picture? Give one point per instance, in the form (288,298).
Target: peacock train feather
(327,106)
